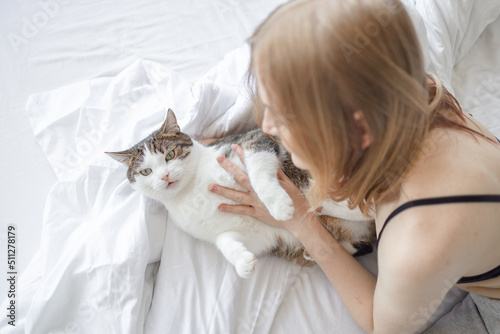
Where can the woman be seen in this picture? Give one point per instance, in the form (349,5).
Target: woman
(342,84)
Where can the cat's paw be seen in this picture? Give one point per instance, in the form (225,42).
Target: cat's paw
(280,205)
(245,264)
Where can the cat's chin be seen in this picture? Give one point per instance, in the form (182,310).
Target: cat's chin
(160,194)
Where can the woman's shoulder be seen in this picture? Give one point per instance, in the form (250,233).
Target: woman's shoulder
(452,163)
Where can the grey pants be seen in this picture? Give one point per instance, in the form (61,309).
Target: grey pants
(473,315)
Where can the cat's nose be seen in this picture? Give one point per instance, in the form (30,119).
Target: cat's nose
(165,178)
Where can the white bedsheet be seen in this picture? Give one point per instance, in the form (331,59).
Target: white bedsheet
(101,242)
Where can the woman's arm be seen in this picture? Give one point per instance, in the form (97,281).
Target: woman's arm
(354,283)
(410,286)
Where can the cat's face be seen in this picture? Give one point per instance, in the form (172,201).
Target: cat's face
(159,166)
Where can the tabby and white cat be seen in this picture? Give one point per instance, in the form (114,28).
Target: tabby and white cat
(174,169)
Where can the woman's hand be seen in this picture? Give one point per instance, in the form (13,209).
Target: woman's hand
(250,203)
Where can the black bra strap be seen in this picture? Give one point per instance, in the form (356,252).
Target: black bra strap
(439,200)
(482,277)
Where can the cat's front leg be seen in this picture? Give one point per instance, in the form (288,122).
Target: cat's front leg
(262,170)
(229,243)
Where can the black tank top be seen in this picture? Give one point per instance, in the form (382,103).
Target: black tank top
(445,200)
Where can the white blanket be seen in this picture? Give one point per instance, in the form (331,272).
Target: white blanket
(98,263)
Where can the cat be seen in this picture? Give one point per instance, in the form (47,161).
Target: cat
(171,167)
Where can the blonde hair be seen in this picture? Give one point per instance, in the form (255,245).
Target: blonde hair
(320,62)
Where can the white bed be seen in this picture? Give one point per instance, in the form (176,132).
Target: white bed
(82,77)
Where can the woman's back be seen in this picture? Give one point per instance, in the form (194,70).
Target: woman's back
(463,237)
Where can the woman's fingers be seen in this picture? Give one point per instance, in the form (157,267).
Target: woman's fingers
(239,175)
(245,198)
(234,195)
(238,209)
(248,202)
(281,175)
(239,152)
(285,182)
(298,197)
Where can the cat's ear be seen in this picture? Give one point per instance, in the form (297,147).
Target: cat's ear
(170,125)
(123,156)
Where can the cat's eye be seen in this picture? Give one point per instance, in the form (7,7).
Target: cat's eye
(170,155)
(146,171)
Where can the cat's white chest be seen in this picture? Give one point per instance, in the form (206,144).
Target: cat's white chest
(196,210)
(200,217)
